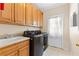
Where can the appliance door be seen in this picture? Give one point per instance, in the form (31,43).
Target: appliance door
(38,45)
(45,41)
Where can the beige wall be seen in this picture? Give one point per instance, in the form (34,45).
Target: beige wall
(13,29)
(74,31)
(64,10)
(44,29)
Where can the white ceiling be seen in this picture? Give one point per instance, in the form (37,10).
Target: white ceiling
(47,6)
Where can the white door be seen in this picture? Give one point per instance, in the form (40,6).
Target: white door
(55,31)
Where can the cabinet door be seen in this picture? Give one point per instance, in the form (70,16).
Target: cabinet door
(12,13)
(39,18)
(9,50)
(35,16)
(24,51)
(15,53)
(8,12)
(20,13)
(28,10)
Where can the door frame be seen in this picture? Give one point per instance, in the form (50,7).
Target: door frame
(54,16)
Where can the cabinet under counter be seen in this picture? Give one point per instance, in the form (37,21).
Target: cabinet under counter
(17,49)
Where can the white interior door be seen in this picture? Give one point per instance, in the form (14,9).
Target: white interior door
(55,31)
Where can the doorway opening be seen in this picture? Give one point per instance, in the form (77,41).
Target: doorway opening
(55,31)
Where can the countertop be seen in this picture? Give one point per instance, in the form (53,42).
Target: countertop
(13,40)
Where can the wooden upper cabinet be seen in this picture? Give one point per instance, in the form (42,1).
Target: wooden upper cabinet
(39,18)
(12,13)
(35,16)
(8,12)
(28,12)
(20,13)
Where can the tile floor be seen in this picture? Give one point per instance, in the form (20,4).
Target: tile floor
(52,51)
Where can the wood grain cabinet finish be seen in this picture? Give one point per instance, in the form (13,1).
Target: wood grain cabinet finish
(18,49)
(24,48)
(15,53)
(8,12)
(35,16)
(0,13)
(28,11)
(20,13)
(24,51)
(39,18)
